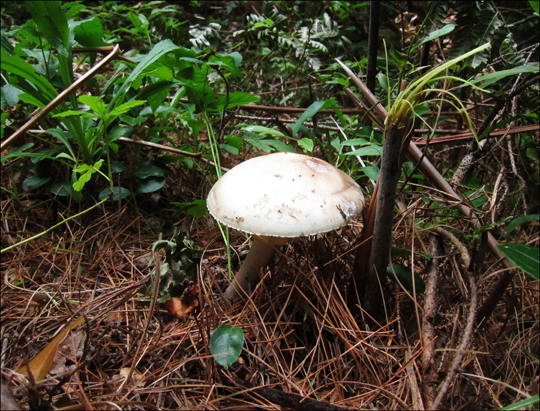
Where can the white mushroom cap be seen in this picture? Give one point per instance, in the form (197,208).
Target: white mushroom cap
(285,195)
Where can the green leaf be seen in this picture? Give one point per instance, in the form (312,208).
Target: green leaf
(499,75)
(235,141)
(310,112)
(383,81)
(160,49)
(404,275)
(10,95)
(95,104)
(124,108)
(61,188)
(150,184)
(118,167)
(75,113)
(523,404)
(18,66)
(89,32)
(87,171)
(372,172)
(119,193)
(306,144)
(525,257)
(366,151)
(196,208)
(355,142)
(520,220)
(231,149)
(33,182)
(268,145)
(149,169)
(52,23)
(131,120)
(264,130)
(236,98)
(438,33)
(226,344)
(535,5)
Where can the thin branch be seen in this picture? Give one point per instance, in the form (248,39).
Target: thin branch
(465,342)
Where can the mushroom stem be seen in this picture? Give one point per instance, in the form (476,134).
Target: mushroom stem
(246,279)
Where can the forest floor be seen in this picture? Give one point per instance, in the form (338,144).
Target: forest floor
(301,341)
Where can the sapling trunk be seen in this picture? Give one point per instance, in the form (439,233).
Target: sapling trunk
(372,300)
(247,278)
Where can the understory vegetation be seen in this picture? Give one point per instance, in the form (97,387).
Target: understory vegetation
(119,116)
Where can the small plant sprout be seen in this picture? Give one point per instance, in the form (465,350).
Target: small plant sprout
(277,197)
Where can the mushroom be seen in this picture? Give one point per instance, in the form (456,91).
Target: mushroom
(280,196)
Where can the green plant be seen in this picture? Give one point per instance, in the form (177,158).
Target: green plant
(182,256)
(86,136)
(226,344)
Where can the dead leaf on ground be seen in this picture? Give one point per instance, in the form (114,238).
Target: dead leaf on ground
(186,304)
(40,365)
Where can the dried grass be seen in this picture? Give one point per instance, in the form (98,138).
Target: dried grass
(300,337)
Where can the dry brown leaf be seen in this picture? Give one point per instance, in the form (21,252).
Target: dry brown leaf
(40,365)
(184,306)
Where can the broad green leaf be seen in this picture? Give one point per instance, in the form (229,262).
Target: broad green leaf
(95,103)
(383,81)
(119,193)
(310,112)
(372,172)
(89,32)
(306,144)
(366,151)
(520,220)
(226,344)
(33,182)
(196,208)
(525,257)
(404,275)
(150,184)
(61,188)
(231,149)
(117,132)
(535,5)
(235,141)
(10,95)
(236,98)
(438,33)
(149,169)
(355,142)
(52,23)
(118,167)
